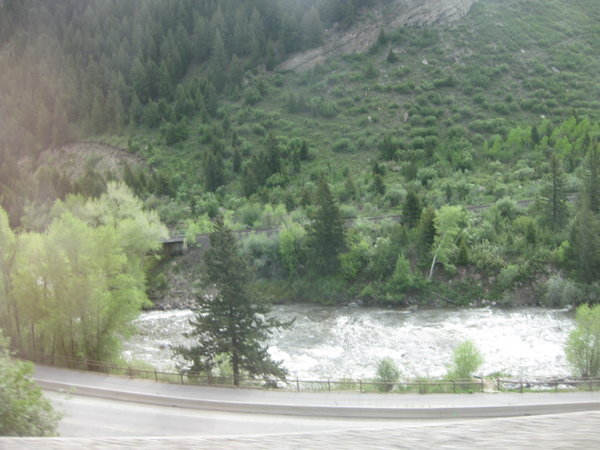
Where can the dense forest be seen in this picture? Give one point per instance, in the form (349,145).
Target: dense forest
(73,69)
(480,134)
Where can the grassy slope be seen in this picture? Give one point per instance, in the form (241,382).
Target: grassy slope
(509,63)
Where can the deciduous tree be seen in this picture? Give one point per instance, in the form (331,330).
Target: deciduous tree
(583,344)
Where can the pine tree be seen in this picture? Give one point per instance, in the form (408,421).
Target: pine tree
(218,62)
(378,184)
(214,175)
(231,323)
(312,28)
(411,210)
(592,180)
(426,230)
(326,232)
(237,160)
(236,72)
(535,136)
(388,147)
(554,197)
(250,182)
(584,252)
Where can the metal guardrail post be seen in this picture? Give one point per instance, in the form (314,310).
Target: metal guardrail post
(360,385)
(328,385)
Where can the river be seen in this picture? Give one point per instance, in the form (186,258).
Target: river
(347,342)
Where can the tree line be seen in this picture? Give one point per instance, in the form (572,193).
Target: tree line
(72,289)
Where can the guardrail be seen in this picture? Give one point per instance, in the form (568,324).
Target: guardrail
(296,384)
(555,384)
(293,384)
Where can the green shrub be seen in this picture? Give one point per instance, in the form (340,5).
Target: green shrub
(395,196)
(561,292)
(402,278)
(466,360)
(387,374)
(583,344)
(24,411)
(508,276)
(250,213)
(355,260)
(251,96)
(263,253)
(343,145)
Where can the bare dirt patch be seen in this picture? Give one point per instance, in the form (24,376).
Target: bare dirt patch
(74,159)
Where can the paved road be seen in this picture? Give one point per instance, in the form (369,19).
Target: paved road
(566,431)
(110,423)
(96,417)
(333,404)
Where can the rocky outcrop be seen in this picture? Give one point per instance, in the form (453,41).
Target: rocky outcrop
(431,12)
(360,37)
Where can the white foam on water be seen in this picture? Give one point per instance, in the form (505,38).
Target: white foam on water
(347,342)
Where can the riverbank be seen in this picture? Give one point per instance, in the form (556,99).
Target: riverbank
(175,284)
(468,293)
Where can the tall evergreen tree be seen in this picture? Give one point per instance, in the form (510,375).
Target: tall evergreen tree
(326,232)
(554,197)
(411,210)
(584,253)
(592,179)
(218,62)
(214,175)
(232,322)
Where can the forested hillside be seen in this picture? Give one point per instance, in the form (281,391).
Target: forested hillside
(499,106)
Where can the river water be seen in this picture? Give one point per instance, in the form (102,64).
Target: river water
(347,342)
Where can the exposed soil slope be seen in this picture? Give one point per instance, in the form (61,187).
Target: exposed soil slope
(73,159)
(361,36)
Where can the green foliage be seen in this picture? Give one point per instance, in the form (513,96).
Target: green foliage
(183,80)
(466,359)
(411,210)
(592,180)
(561,293)
(582,348)
(73,289)
(291,249)
(326,232)
(343,146)
(450,223)
(387,373)
(402,278)
(23,409)
(231,322)
(262,252)
(356,259)
(582,256)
